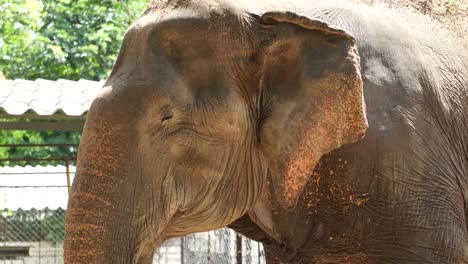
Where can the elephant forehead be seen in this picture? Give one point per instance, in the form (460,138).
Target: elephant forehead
(183,53)
(189,20)
(205,7)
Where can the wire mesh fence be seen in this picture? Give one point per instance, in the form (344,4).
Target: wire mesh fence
(221,246)
(32,236)
(36,236)
(41,233)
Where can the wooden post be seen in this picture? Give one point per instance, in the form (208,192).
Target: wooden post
(67,168)
(238,249)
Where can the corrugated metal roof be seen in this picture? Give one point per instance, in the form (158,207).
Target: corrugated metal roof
(45,97)
(32,187)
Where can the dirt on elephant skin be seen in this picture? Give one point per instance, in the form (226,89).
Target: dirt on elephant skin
(452,14)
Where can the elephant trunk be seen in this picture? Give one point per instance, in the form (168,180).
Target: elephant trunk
(98,225)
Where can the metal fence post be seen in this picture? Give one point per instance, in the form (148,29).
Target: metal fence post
(4,225)
(238,249)
(209,250)
(182,253)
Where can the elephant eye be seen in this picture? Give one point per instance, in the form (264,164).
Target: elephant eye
(166,115)
(165,118)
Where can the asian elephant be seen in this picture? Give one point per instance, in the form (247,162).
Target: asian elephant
(330,132)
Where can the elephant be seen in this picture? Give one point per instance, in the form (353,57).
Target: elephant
(331,132)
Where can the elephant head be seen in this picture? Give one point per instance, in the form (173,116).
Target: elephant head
(202,104)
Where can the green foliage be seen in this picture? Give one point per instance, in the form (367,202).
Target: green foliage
(37,137)
(68,39)
(63,38)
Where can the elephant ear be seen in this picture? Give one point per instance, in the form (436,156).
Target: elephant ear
(311,98)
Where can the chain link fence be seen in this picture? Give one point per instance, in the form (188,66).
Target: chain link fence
(31,236)
(222,246)
(41,233)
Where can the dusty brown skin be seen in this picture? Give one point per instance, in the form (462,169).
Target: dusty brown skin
(201,108)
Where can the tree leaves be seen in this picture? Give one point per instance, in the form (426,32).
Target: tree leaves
(62,38)
(37,137)
(65,39)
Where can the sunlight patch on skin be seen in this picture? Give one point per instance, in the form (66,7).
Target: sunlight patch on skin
(104,92)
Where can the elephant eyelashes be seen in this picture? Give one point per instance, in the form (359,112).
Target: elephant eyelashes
(166,116)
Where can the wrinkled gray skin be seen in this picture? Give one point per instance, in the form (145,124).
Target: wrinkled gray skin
(214,113)
(399,195)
